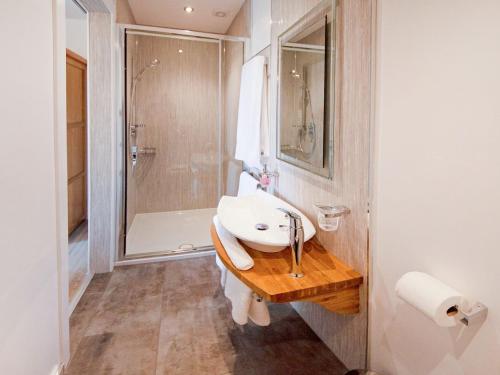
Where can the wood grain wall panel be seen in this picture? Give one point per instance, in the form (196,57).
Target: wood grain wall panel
(177,102)
(241,23)
(232,65)
(124,13)
(233,59)
(131,209)
(100,142)
(346,336)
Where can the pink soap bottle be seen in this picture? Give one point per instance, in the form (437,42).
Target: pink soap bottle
(265,180)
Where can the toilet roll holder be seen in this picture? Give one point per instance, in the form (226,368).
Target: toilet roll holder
(477,312)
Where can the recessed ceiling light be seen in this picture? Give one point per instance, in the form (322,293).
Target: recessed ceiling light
(180,51)
(220,14)
(188,9)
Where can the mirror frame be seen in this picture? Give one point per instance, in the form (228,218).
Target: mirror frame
(314,15)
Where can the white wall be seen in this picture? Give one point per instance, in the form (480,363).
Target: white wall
(436,186)
(29,330)
(76,29)
(261,25)
(76,36)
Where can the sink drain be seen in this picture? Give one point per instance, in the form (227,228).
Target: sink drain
(261,226)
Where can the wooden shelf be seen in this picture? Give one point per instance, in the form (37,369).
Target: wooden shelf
(327,281)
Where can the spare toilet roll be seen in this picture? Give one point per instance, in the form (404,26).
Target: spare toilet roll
(431,296)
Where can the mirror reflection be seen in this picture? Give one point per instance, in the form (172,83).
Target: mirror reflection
(304,139)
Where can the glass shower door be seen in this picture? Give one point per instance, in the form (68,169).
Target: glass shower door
(173,149)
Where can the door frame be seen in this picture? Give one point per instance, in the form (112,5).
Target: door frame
(101,184)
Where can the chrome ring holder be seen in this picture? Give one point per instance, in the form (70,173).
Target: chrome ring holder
(329,217)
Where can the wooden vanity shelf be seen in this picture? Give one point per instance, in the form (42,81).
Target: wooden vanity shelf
(327,281)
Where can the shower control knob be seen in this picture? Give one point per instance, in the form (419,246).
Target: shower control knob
(137,126)
(134,127)
(133,155)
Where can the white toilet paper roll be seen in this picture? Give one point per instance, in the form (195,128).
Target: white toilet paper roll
(431,296)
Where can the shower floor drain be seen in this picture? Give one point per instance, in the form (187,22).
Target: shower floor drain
(186,246)
(183,248)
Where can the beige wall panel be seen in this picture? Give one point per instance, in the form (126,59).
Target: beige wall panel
(100,140)
(124,12)
(233,59)
(241,23)
(233,62)
(177,102)
(130,190)
(346,336)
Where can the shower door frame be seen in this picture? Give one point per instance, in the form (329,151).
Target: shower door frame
(122,257)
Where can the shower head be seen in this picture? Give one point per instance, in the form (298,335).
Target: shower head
(153,64)
(294,74)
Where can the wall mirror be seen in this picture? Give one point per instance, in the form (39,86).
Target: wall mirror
(305,92)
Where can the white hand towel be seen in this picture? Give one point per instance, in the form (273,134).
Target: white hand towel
(239,257)
(248,137)
(223,270)
(258,312)
(247,185)
(265,130)
(240,296)
(245,303)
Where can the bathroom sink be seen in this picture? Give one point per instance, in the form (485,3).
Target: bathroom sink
(255,221)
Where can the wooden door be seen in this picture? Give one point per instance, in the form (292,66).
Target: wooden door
(76,106)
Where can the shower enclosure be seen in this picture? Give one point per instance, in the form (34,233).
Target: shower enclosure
(174,137)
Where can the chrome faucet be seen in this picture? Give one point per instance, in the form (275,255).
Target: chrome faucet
(296,242)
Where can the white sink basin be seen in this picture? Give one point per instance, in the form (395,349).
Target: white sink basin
(241,216)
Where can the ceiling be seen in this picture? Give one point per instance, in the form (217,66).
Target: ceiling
(170,13)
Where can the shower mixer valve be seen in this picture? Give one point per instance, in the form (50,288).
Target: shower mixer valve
(133,155)
(134,127)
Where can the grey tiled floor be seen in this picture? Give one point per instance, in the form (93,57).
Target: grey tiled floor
(172,318)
